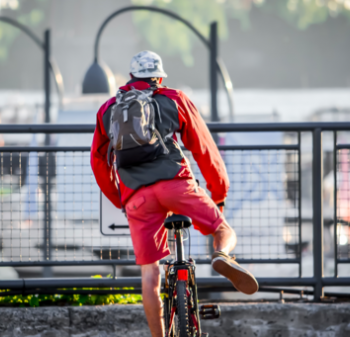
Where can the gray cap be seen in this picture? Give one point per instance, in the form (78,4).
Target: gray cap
(147,64)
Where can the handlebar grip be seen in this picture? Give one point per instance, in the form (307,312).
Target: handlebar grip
(221,204)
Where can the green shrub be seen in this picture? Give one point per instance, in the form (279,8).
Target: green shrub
(74,299)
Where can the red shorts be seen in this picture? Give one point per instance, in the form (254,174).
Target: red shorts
(149,206)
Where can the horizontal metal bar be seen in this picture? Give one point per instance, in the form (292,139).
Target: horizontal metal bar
(213,127)
(257,261)
(45,149)
(294,291)
(271,281)
(67,263)
(47,128)
(343,261)
(51,291)
(339,281)
(259,147)
(70,292)
(138,291)
(277,127)
(71,283)
(87,148)
(135,282)
(131,262)
(343,146)
(288,281)
(202,282)
(326,221)
(12,284)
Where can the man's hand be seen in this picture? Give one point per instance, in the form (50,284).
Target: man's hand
(221,206)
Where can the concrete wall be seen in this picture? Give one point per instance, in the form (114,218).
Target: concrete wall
(248,320)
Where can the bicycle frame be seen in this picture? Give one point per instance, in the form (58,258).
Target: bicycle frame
(179,242)
(181,270)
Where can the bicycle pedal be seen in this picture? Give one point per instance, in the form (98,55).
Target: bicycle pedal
(209,311)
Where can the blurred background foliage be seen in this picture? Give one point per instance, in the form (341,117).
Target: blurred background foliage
(171,37)
(30,14)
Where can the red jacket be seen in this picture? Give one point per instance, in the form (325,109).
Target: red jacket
(178,115)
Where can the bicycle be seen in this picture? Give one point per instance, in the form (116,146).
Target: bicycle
(181,312)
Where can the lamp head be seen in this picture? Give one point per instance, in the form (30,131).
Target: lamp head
(99,80)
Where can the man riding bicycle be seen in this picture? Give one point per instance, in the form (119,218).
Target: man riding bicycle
(150,189)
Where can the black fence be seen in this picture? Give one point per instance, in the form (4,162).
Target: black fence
(342,204)
(50,205)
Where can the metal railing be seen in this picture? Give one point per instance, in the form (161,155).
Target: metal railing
(50,206)
(341,204)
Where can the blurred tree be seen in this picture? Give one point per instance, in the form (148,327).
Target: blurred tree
(303,13)
(29,13)
(171,37)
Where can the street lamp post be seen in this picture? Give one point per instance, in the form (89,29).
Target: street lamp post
(49,158)
(97,81)
(47,76)
(49,63)
(213,72)
(49,66)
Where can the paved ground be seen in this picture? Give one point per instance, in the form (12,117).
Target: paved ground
(241,319)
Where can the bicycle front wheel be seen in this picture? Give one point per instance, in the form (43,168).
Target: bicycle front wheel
(183,325)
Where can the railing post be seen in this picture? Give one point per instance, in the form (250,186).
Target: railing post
(299,204)
(335,196)
(213,81)
(47,74)
(213,71)
(317,198)
(47,272)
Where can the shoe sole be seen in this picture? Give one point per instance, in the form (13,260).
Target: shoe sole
(242,281)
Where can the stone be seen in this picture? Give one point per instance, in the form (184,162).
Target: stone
(237,320)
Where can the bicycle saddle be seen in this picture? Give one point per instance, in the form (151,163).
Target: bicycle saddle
(177,222)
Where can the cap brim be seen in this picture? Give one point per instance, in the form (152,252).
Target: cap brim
(150,74)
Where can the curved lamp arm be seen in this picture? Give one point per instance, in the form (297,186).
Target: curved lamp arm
(220,64)
(53,64)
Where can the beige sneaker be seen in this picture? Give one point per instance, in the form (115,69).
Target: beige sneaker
(241,279)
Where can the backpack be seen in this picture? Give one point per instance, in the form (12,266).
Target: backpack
(133,135)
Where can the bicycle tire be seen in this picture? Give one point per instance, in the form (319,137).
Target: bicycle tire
(167,311)
(182,310)
(195,307)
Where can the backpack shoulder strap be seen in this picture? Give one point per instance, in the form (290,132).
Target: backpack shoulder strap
(157,108)
(119,95)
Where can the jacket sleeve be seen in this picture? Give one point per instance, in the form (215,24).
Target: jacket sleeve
(98,159)
(197,138)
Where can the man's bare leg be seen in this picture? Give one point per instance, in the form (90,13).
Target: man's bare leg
(224,241)
(225,238)
(152,302)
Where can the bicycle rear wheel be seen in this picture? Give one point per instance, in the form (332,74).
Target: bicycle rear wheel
(167,313)
(183,326)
